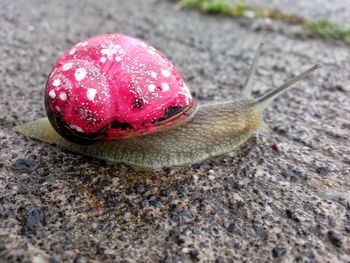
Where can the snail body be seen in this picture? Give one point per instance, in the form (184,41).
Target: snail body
(211,132)
(192,134)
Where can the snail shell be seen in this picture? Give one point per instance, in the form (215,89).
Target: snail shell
(192,135)
(111,87)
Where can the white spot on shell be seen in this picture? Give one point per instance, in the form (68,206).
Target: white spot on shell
(63,95)
(72,51)
(80,74)
(186,92)
(76,127)
(52,94)
(151,51)
(67,66)
(110,50)
(103,59)
(165,87)
(91,93)
(118,59)
(151,87)
(58,108)
(84,44)
(153,74)
(143,44)
(56,82)
(165,73)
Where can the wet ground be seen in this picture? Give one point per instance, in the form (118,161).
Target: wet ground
(283,196)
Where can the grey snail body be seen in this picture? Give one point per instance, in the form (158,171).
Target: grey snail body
(216,129)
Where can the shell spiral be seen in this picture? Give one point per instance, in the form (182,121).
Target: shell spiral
(112,87)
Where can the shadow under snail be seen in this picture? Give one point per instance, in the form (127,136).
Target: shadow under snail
(116,98)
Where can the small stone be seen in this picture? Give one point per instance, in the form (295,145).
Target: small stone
(24,165)
(232,228)
(39,259)
(100,250)
(347,229)
(80,259)
(117,195)
(185,250)
(274,147)
(127,215)
(157,204)
(167,170)
(175,218)
(164,192)
(196,166)
(335,238)
(181,191)
(291,214)
(139,189)
(211,175)
(278,252)
(33,219)
(323,170)
(249,14)
(268,209)
(194,255)
(71,199)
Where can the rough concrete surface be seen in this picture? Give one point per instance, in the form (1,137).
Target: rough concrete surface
(283,196)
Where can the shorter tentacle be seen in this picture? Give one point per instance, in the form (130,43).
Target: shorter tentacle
(247,87)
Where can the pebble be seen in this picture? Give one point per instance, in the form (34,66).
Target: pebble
(127,215)
(278,252)
(34,218)
(39,259)
(335,238)
(212,175)
(24,165)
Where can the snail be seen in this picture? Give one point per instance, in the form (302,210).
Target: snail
(116,98)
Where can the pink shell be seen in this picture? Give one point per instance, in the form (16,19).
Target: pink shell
(114,86)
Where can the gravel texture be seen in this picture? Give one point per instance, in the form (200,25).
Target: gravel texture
(281,197)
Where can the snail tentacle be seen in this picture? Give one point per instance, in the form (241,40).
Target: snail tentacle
(247,87)
(262,102)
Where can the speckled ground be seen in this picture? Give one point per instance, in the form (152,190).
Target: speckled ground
(283,196)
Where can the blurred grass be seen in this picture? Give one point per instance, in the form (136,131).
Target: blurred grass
(320,29)
(215,6)
(327,29)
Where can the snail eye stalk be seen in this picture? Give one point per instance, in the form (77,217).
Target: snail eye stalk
(262,102)
(247,87)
